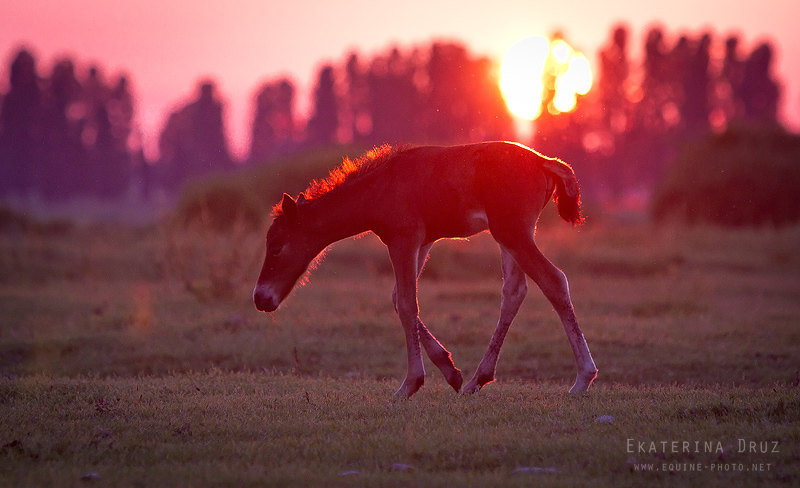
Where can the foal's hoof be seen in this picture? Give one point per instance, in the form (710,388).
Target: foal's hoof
(408,388)
(401,395)
(455,379)
(471,388)
(583,381)
(478,381)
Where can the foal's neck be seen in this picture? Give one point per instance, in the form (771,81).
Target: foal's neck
(339,214)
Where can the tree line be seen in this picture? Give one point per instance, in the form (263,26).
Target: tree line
(63,134)
(637,119)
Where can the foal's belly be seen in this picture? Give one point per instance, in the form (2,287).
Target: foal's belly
(465,225)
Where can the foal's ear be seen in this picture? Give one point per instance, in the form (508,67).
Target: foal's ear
(289,208)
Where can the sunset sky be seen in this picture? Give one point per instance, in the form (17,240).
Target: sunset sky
(166,46)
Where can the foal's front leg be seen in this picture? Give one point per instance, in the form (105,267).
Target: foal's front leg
(404,260)
(438,354)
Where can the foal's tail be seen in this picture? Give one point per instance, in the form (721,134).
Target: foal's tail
(567,196)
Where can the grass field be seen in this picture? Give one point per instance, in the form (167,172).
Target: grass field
(133,357)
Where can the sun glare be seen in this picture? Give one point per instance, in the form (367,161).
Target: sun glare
(523,71)
(521,76)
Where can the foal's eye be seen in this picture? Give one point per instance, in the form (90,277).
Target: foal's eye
(274,250)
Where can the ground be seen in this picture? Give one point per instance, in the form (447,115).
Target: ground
(133,356)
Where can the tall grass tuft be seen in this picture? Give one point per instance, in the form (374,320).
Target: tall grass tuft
(219,203)
(210,260)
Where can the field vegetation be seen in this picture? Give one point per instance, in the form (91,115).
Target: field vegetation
(132,356)
(742,176)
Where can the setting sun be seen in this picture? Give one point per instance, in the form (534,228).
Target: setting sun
(521,76)
(525,67)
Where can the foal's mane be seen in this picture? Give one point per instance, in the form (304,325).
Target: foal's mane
(349,170)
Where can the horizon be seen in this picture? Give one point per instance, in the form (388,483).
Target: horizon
(252,29)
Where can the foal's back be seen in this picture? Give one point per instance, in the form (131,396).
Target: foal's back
(454,191)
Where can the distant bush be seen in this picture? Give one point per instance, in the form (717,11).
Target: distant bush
(247,196)
(742,177)
(218,203)
(14,220)
(10,219)
(293,173)
(213,239)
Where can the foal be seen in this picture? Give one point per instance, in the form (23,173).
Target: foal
(412,197)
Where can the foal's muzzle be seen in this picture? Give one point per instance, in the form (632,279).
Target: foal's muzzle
(264,299)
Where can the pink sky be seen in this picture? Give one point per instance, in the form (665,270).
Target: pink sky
(166,46)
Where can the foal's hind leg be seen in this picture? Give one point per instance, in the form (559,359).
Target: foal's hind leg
(553,284)
(440,356)
(514,290)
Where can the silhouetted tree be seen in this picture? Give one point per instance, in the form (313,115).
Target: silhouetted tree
(121,112)
(463,103)
(613,79)
(108,159)
(175,163)
(21,137)
(324,122)
(614,160)
(62,169)
(355,113)
(447,103)
(106,128)
(193,141)
(759,92)
(730,97)
(393,100)
(273,122)
(654,94)
(695,108)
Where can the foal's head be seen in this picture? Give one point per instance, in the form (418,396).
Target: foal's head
(289,252)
